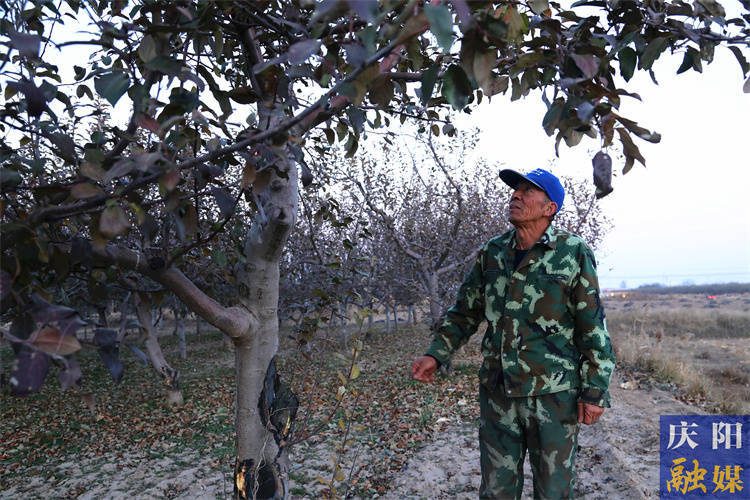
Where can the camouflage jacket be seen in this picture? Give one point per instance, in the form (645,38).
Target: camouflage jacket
(546,329)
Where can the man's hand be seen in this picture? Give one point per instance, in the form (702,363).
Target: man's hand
(588,413)
(423,369)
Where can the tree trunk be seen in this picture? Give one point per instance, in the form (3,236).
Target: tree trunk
(387,318)
(153,350)
(102,312)
(435,309)
(179,322)
(265,409)
(395,318)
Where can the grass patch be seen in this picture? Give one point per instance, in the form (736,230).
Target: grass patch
(663,345)
(698,323)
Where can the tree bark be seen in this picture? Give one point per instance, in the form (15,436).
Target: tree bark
(261,465)
(102,312)
(412,319)
(179,329)
(433,289)
(153,350)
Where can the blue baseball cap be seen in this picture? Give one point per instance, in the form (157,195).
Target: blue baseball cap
(542,179)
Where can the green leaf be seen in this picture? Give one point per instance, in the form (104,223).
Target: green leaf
(381,91)
(9,178)
(120,168)
(652,52)
(52,341)
(301,51)
(629,162)
(456,86)
(219,258)
(243,95)
(355,91)
(483,64)
(351,146)
(517,23)
(84,190)
(414,51)
(587,63)
(692,59)
(112,86)
(441,24)
(499,85)
(165,64)
(82,90)
(629,149)
(224,200)
(645,134)
(553,116)
(539,6)
(429,77)
(147,49)
(713,7)
(26,44)
(65,146)
(113,222)
(628,59)
(740,59)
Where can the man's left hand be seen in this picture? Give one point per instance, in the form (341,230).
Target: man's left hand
(588,413)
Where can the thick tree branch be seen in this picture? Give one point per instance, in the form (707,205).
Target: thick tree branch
(234,321)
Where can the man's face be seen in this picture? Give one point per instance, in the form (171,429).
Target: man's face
(529,204)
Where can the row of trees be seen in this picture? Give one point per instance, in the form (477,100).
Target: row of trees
(401,223)
(233,107)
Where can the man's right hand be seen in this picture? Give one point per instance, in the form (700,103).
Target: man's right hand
(424,369)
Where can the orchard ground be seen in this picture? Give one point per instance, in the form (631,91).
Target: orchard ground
(387,436)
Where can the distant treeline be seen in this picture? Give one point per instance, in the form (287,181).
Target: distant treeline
(713,289)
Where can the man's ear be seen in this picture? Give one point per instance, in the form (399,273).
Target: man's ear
(550,209)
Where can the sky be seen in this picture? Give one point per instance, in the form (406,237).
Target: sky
(686,216)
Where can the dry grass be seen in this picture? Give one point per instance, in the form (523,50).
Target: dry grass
(698,350)
(700,323)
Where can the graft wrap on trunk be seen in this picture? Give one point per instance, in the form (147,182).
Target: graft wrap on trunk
(278,410)
(278,406)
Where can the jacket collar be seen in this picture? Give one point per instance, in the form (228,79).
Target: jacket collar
(548,238)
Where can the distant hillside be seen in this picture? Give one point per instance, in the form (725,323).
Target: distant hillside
(713,289)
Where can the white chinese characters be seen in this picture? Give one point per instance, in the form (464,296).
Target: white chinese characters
(730,435)
(684,435)
(727,435)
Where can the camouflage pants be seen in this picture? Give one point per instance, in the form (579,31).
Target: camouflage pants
(546,425)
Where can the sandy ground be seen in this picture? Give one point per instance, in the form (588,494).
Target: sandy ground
(618,456)
(618,459)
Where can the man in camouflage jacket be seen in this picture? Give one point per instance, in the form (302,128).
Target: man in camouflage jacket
(547,353)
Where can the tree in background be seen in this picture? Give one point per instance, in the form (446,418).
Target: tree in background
(231,106)
(435,205)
